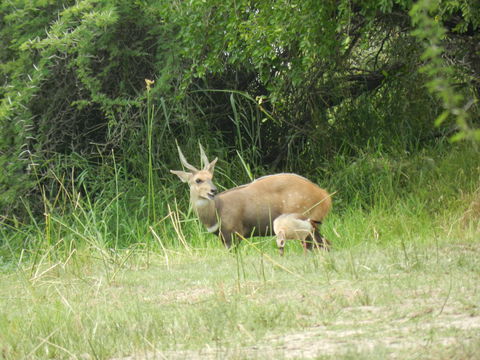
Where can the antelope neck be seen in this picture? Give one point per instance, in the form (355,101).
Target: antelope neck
(206,212)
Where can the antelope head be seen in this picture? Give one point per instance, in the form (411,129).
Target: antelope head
(202,189)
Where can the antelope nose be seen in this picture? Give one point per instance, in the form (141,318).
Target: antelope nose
(212,193)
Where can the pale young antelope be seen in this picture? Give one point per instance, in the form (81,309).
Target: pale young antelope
(295,227)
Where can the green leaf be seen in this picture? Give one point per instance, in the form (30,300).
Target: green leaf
(442,117)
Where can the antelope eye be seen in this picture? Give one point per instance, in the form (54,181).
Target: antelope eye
(199,181)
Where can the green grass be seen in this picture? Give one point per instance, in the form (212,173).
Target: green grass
(96,279)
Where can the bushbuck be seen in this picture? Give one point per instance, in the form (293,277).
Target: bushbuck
(295,227)
(249,210)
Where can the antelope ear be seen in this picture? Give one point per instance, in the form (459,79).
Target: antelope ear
(183,175)
(210,167)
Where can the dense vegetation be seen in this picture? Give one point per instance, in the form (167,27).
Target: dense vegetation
(298,86)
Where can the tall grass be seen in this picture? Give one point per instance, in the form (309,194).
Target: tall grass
(404,193)
(151,214)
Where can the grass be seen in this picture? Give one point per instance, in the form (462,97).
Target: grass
(95,279)
(365,301)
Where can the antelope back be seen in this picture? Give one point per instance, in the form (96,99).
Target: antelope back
(291,193)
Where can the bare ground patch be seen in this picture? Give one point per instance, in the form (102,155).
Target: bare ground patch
(397,337)
(422,331)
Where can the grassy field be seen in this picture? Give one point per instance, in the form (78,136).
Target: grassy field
(402,280)
(368,301)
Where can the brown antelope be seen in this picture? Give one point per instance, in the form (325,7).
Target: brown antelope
(294,227)
(249,210)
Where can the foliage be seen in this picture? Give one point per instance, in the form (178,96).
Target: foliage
(287,84)
(426,15)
